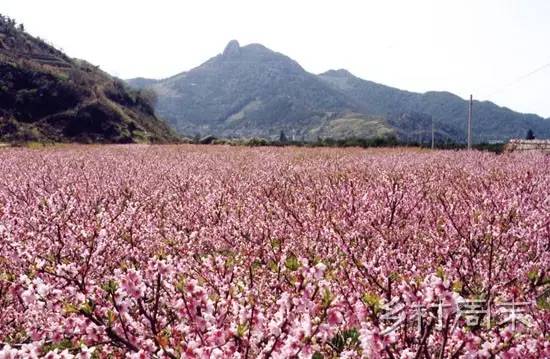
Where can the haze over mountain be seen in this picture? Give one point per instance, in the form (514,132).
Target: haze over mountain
(45,95)
(253,91)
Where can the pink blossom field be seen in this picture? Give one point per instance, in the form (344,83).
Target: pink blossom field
(231,252)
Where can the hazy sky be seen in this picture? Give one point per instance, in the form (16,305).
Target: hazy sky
(467,46)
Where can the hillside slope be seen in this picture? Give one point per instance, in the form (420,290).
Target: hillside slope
(47,96)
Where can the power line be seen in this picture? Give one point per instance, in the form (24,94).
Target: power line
(519,79)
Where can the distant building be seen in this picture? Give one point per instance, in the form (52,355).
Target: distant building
(528,145)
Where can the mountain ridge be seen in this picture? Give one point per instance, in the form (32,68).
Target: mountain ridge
(445,107)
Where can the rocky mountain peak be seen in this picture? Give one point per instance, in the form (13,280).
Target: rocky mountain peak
(233,48)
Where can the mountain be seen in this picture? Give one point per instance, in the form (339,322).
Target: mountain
(45,95)
(448,111)
(253,91)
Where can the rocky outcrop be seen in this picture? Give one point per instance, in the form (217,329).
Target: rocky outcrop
(232,49)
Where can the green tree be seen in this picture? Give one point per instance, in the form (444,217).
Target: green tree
(530,135)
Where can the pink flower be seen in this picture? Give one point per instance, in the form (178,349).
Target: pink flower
(132,284)
(334,317)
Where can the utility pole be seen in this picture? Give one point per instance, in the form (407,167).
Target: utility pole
(470,122)
(433,142)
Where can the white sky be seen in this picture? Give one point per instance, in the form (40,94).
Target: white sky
(466,46)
